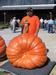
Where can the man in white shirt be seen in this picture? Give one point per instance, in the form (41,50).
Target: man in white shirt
(45,24)
(41,22)
(13,22)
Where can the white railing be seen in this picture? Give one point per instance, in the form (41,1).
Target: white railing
(39,6)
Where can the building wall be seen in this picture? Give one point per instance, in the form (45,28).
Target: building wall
(18,13)
(25,2)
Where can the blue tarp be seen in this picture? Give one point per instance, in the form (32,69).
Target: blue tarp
(44,70)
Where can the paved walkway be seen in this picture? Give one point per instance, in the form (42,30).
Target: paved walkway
(48,39)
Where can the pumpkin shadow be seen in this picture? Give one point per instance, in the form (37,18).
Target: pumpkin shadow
(48,60)
(47,50)
(3,58)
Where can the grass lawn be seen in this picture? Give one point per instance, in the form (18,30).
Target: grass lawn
(4,73)
(2,25)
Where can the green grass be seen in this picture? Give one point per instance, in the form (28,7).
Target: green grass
(4,73)
(3,26)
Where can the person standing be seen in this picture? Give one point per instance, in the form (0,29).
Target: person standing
(30,22)
(41,23)
(50,25)
(55,25)
(13,24)
(45,24)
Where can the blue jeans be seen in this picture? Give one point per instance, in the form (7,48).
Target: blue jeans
(45,26)
(50,28)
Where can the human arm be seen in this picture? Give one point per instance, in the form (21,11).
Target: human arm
(37,25)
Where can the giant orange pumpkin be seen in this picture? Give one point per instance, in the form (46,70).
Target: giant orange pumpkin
(26,51)
(2,47)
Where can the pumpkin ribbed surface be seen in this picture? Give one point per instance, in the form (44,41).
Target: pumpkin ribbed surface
(26,51)
(2,46)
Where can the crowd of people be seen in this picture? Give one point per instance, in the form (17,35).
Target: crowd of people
(14,24)
(31,23)
(48,24)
